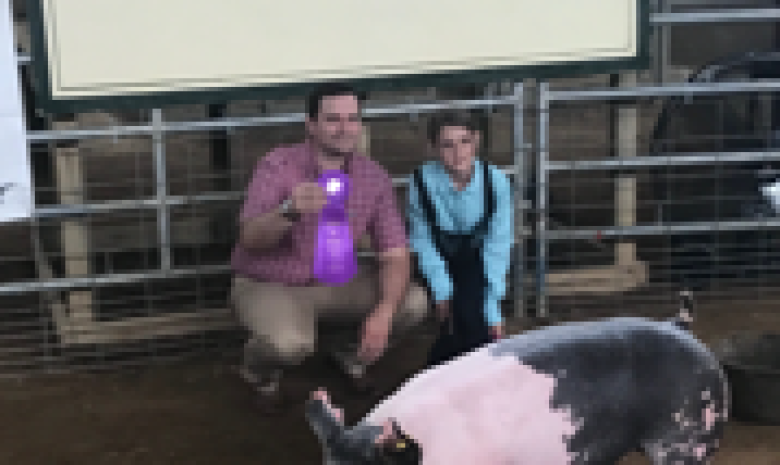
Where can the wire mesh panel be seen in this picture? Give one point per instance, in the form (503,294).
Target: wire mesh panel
(671,192)
(636,191)
(127,260)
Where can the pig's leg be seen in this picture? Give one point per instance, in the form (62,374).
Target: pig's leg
(692,436)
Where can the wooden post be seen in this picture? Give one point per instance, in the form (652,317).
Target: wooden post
(365,141)
(74,233)
(625,142)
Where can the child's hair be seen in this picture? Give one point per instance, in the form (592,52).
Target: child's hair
(450,118)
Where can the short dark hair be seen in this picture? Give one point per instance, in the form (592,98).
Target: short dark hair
(314,101)
(449,118)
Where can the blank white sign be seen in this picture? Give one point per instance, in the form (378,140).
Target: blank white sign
(103,48)
(16,199)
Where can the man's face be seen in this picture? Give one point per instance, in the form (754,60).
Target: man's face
(338,127)
(456,148)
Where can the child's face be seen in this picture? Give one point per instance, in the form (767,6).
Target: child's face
(456,148)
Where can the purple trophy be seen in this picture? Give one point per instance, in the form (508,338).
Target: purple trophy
(335,262)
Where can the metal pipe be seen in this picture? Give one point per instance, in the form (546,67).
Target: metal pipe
(518,116)
(107,279)
(118,278)
(230,123)
(658,229)
(541,196)
(67,211)
(662,160)
(140,204)
(580,234)
(665,32)
(658,54)
(676,90)
(161,177)
(219,142)
(717,16)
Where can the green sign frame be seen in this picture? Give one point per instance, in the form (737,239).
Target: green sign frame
(98,55)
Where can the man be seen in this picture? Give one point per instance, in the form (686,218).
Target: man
(275,294)
(460,213)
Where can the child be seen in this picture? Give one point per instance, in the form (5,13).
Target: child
(460,212)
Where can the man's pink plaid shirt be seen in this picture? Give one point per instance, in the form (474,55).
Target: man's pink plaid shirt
(371,204)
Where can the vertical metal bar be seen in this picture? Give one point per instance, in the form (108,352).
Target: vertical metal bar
(161,178)
(220,149)
(658,55)
(220,223)
(518,135)
(541,202)
(665,37)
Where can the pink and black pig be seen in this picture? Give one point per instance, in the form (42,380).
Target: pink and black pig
(580,393)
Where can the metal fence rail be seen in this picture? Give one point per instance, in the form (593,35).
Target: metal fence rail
(72,303)
(63,292)
(85,313)
(621,170)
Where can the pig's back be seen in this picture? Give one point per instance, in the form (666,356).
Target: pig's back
(518,398)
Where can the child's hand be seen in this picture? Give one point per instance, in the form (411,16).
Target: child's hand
(443,310)
(497,332)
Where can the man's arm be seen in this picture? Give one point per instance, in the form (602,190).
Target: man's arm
(387,230)
(262,224)
(264,232)
(431,264)
(498,248)
(394,275)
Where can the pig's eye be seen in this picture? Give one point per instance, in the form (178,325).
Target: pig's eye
(402,452)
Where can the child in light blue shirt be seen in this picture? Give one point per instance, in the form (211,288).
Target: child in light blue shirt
(461,218)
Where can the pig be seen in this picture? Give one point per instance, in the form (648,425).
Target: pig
(576,393)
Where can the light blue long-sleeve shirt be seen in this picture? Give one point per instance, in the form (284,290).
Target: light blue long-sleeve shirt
(458,212)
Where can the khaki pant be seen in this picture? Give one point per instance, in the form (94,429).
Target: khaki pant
(283,320)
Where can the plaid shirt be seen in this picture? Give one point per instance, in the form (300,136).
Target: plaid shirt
(371,204)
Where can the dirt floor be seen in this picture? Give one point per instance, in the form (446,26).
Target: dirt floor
(197,413)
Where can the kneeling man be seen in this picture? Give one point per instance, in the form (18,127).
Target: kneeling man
(275,292)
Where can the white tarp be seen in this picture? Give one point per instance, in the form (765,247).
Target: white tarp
(16,198)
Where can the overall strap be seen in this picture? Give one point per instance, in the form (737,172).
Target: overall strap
(428,210)
(425,200)
(489,209)
(429,214)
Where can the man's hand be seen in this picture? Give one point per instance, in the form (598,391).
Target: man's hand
(376,331)
(497,332)
(308,197)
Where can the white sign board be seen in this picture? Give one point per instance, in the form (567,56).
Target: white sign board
(99,53)
(16,196)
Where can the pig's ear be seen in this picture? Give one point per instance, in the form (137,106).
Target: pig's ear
(322,396)
(338,414)
(386,435)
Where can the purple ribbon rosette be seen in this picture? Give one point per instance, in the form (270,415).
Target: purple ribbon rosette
(335,261)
